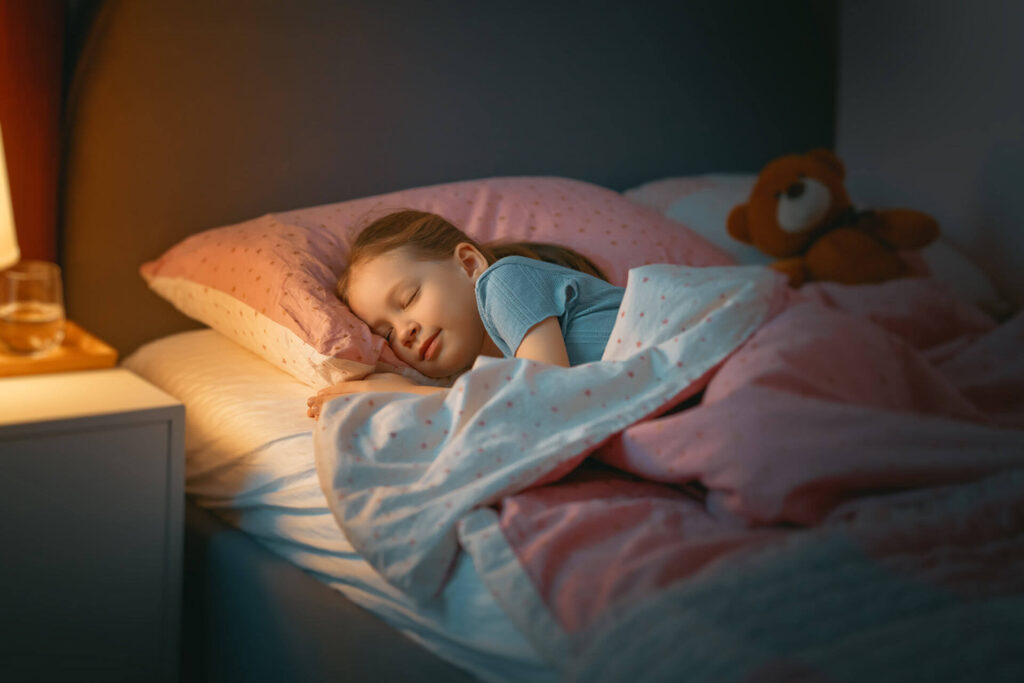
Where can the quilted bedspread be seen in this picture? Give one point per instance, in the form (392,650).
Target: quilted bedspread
(753,484)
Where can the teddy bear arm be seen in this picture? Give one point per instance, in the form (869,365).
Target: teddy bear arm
(853,256)
(904,228)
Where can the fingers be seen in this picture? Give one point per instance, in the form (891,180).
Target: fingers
(315,403)
(313,406)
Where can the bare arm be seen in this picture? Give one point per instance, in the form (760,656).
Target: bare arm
(545,343)
(380,381)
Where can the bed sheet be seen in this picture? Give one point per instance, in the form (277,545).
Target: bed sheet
(249,459)
(860,451)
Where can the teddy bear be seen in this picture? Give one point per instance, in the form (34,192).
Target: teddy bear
(800,213)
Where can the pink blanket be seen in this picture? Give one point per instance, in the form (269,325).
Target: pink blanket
(858,428)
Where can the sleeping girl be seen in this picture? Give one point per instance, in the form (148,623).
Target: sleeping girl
(441,300)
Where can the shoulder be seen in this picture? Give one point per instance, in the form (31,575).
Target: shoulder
(527,283)
(520,269)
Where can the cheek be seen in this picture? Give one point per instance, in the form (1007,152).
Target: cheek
(470,315)
(457,302)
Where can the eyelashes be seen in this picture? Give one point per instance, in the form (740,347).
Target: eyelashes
(412,296)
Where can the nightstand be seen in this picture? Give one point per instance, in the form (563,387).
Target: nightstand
(91,526)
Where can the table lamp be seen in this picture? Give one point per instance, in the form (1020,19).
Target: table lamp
(9,252)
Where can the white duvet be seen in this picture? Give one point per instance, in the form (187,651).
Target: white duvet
(249,458)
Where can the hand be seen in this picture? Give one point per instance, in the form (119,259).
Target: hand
(378,381)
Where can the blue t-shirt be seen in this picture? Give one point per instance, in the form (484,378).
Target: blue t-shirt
(516,293)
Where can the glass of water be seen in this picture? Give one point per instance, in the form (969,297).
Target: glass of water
(31,308)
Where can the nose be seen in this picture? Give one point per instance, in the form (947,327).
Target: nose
(795,190)
(409,333)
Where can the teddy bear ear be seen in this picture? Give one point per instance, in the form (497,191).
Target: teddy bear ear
(829,158)
(736,224)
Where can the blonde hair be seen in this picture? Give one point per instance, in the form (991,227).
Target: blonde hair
(431,237)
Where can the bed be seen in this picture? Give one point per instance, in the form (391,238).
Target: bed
(206,137)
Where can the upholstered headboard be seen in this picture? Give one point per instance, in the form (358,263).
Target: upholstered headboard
(190,114)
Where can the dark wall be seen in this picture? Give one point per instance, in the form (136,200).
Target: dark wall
(931,116)
(189,114)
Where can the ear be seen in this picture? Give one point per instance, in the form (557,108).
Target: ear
(828,157)
(470,259)
(736,224)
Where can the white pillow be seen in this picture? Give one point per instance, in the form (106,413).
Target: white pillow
(703,203)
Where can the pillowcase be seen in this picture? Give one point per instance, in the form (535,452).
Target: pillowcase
(268,283)
(703,203)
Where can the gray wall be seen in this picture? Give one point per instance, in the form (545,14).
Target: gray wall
(189,114)
(930,115)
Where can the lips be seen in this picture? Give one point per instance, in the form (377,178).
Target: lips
(428,346)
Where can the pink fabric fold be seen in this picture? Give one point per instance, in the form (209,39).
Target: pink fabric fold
(833,402)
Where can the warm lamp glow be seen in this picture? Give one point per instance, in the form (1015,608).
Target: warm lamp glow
(9,252)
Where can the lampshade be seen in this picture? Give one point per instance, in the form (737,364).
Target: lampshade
(9,252)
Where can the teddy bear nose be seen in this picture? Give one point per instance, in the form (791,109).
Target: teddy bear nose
(795,190)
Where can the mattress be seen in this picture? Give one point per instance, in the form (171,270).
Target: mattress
(249,460)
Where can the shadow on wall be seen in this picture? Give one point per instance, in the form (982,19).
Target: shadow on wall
(929,116)
(1001,214)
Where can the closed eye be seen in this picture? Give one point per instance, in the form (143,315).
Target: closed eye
(412,296)
(405,304)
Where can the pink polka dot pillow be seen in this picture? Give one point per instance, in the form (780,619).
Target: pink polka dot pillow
(268,283)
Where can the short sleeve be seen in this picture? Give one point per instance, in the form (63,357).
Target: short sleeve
(513,295)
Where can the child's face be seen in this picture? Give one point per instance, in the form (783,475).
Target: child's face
(425,309)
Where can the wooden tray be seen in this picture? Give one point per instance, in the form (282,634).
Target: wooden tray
(80,351)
